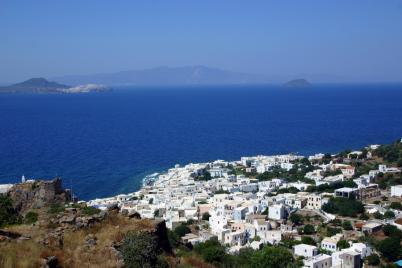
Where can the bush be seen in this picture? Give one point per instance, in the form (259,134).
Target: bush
(31,217)
(342,244)
(90,210)
(272,257)
(182,230)
(378,215)
(141,250)
(55,209)
(389,214)
(205,216)
(308,240)
(211,251)
(347,225)
(333,231)
(390,248)
(8,215)
(296,218)
(308,229)
(392,231)
(396,205)
(344,207)
(336,222)
(373,260)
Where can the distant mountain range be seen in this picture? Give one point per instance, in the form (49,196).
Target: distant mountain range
(41,85)
(187,75)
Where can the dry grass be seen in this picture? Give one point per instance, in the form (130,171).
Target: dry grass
(22,254)
(74,252)
(194,261)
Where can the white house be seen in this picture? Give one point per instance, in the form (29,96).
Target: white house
(287,166)
(318,261)
(314,201)
(396,190)
(272,236)
(305,250)
(329,243)
(276,212)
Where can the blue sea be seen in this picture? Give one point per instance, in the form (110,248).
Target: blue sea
(103,144)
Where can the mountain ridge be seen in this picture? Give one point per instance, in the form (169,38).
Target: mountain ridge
(42,85)
(164,75)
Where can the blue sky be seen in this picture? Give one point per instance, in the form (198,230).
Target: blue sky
(358,40)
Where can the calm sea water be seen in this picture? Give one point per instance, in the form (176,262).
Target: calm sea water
(104,144)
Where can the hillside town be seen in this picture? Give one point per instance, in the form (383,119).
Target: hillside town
(325,208)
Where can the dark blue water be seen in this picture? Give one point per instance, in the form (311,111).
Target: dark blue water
(105,143)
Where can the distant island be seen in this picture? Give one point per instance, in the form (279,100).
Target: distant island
(297,83)
(41,85)
(164,75)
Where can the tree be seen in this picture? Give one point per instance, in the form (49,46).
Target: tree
(389,214)
(182,230)
(8,215)
(336,222)
(211,251)
(141,250)
(31,217)
(205,216)
(373,260)
(396,205)
(342,244)
(347,225)
(378,215)
(390,248)
(308,240)
(333,231)
(243,257)
(392,231)
(344,206)
(308,229)
(296,218)
(271,257)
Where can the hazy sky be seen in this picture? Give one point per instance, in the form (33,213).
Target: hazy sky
(356,39)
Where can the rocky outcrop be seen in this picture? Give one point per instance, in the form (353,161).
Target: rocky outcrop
(38,194)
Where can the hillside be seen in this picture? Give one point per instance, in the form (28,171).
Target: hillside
(41,85)
(40,227)
(34,85)
(187,75)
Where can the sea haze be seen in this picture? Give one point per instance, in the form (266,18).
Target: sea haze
(103,144)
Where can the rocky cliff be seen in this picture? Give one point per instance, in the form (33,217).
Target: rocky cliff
(38,194)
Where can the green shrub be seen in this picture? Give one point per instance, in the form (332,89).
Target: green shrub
(8,215)
(31,217)
(296,218)
(205,216)
(308,229)
(342,244)
(141,250)
(270,257)
(333,231)
(211,251)
(308,240)
(347,225)
(182,230)
(389,214)
(396,205)
(344,207)
(373,260)
(55,209)
(90,211)
(390,248)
